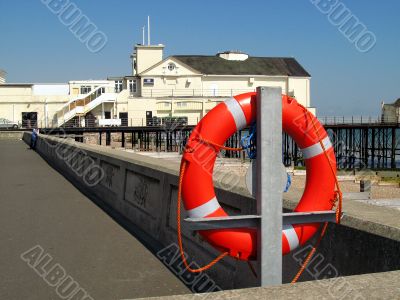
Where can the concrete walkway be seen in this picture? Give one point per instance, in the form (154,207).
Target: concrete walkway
(41,208)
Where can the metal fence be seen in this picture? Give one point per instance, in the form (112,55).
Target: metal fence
(192,120)
(125,122)
(342,120)
(373,146)
(135,122)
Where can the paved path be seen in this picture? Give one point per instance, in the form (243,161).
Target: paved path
(40,207)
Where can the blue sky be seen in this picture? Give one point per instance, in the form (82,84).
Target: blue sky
(36,47)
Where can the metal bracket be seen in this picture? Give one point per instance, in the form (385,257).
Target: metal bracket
(252,221)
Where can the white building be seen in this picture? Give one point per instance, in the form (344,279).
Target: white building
(179,86)
(391,112)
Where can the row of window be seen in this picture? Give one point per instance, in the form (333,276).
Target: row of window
(131,86)
(178,104)
(87,89)
(118,86)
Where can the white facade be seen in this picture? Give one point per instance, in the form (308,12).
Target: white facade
(50,89)
(21,101)
(391,112)
(175,87)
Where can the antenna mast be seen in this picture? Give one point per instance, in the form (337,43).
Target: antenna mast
(148,30)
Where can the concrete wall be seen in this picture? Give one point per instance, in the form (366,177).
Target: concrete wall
(144,191)
(50,89)
(11,135)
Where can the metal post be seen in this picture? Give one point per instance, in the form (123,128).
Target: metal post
(108,138)
(269,185)
(372,147)
(393,149)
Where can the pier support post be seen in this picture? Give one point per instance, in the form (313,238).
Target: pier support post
(269,185)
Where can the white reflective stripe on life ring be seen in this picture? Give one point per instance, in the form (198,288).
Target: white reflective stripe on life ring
(237,113)
(316,149)
(205,209)
(291,236)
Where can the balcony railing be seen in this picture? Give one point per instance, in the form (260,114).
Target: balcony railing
(158,93)
(82,100)
(342,120)
(124,122)
(190,120)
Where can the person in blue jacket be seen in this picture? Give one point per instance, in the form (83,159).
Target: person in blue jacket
(34,136)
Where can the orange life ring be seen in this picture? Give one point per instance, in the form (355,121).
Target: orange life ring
(217,126)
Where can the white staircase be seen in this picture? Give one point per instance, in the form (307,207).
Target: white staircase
(83,104)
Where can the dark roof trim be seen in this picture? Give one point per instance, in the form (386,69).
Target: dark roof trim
(16,84)
(395,103)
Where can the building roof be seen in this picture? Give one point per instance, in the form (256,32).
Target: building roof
(394,104)
(17,85)
(271,66)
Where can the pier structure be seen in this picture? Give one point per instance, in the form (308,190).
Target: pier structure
(357,145)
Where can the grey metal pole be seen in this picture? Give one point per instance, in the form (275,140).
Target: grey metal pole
(269,185)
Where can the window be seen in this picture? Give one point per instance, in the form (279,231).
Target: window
(29,119)
(181,104)
(85,89)
(118,86)
(171,66)
(100,91)
(107,115)
(132,85)
(170,81)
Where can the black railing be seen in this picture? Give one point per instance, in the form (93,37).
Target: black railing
(356,147)
(351,120)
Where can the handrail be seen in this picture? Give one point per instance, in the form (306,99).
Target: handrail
(342,120)
(67,112)
(83,96)
(187,92)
